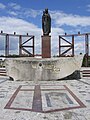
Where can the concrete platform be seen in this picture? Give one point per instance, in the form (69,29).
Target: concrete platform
(36,69)
(42,100)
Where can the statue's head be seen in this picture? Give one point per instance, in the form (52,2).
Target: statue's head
(46,10)
(43,12)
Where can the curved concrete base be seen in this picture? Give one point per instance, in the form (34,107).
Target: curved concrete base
(42,68)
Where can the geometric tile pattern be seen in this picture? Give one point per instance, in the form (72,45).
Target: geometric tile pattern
(44,99)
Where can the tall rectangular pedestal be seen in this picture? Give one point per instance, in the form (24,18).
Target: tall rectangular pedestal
(46,46)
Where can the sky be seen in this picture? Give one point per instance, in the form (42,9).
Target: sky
(25,16)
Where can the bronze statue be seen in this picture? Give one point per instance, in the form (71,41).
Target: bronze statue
(46,22)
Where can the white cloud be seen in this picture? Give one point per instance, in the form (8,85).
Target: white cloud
(9,24)
(12,13)
(61,18)
(2,6)
(79,47)
(14,6)
(32,13)
(21,11)
(88,8)
(56,31)
(58,17)
(88,5)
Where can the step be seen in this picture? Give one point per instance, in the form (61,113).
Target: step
(85,75)
(85,72)
(3,74)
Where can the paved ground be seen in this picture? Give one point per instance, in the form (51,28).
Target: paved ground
(52,100)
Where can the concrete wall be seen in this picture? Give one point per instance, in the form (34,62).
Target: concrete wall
(42,68)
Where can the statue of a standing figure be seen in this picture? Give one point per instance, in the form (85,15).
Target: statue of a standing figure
(46,22)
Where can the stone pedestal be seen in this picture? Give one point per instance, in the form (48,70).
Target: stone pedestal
(46,46)
(35,69)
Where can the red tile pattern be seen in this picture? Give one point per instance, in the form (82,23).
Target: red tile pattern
(37,100)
